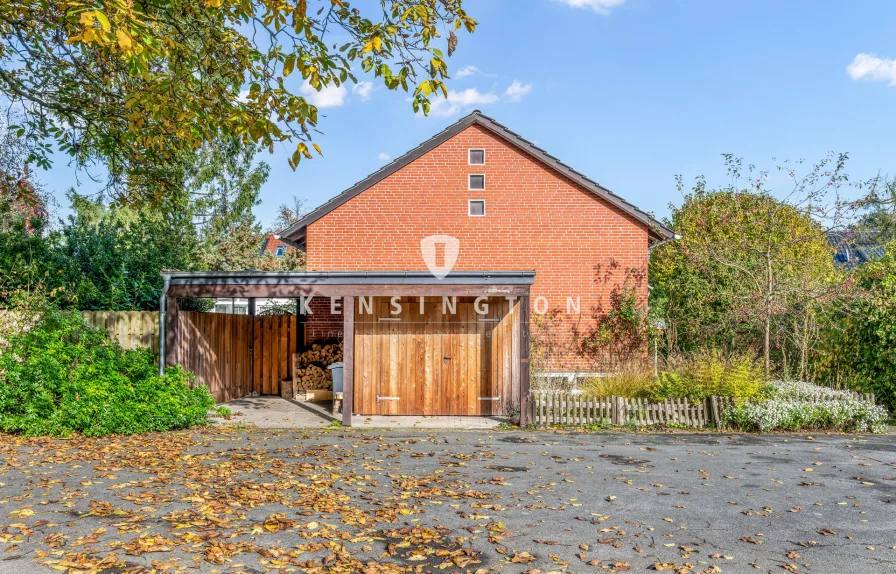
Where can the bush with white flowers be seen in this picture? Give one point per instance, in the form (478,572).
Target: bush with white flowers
(809,392)
(804,406)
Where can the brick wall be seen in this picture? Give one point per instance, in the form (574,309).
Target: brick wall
(322,325)
(579,245)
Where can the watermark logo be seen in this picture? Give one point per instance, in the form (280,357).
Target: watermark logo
(430,248)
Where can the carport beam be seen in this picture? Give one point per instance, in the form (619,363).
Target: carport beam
(348,358)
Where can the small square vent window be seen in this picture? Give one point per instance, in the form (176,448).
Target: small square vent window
(477,182)
(477,208)
(477,157)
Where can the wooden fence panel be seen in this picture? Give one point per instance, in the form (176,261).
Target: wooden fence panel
(132,329)
(273,346)
(563,408)
(215,348)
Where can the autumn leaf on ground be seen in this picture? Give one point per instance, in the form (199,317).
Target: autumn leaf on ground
(521,558)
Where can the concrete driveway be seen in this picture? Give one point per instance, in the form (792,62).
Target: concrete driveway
(235,499)
(269,412)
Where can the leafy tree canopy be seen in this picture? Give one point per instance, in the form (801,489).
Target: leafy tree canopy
(140,86)
(109,256)
(749,267)
(860,346)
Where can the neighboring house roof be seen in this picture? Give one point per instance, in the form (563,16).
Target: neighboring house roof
(296,232)
(852,252)
(271,242)
(23,199)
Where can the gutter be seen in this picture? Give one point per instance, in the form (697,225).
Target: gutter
(650,248)
(163,312)
(289,242)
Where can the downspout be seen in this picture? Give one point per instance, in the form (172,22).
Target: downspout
(163,312)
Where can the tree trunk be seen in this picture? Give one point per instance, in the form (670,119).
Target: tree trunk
(768,314)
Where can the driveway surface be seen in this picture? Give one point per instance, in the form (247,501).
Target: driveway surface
(269,412)
(235,499)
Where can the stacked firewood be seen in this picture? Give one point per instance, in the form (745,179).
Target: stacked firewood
(310,367)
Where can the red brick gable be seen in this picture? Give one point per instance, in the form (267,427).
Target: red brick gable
(532,212)
(579,244)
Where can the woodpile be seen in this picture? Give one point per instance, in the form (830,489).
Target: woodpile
(310,367)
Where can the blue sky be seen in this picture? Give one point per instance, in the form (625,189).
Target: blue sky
(632,92)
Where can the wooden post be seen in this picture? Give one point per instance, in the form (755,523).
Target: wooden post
(171,332)
(524,361)
(618,411)
(348,358)
(714,401)
(251,310)
(301,321)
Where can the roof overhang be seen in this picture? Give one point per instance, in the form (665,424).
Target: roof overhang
(342,283)
(296,233)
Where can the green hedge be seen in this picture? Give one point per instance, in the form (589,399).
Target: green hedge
(65,376)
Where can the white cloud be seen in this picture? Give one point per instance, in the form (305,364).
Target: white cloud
(599,6)
(331,96)
(467,71)
(871,67)
(458,101)
(517,90)
(363,90)
(384,157)
(244,96)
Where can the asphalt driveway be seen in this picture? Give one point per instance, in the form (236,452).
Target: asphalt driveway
(252,500)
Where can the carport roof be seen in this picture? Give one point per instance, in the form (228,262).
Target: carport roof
(347,278)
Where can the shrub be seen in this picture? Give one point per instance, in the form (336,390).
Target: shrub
(740,376)
(782,413)
(64,376)
(631,381)
(620,332)
(673,385)
(697,376)
(809,392)
(858,349)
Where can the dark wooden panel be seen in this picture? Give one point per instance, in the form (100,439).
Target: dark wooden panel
(214,348)
(272,347)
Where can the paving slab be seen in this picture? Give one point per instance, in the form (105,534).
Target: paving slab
(420,422)
(268,412)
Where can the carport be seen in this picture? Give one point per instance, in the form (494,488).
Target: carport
(413,344)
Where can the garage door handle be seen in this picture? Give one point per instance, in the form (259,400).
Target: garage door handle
(447,358)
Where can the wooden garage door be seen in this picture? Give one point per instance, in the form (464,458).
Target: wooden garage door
(434,363)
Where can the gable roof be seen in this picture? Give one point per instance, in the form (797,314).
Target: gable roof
(296,232)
